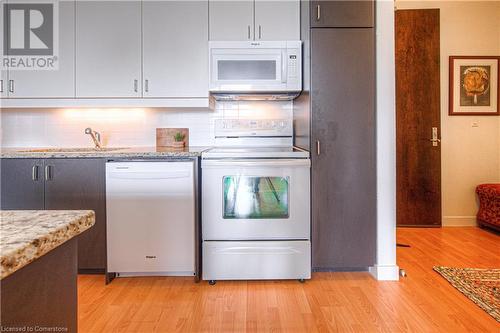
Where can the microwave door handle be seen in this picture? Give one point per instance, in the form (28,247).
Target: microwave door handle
(284,65)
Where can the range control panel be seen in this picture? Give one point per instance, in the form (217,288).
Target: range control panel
(253,127)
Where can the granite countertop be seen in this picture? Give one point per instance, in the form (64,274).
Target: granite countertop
(26,235)
(116,152)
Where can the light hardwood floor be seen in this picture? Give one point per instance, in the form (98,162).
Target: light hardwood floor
(330,302)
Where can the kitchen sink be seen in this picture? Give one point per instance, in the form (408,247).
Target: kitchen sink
(71,150)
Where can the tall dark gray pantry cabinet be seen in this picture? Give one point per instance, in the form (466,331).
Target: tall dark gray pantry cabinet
(343,145)
(61,184)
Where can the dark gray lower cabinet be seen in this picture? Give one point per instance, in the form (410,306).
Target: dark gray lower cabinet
(80,184)
(22,184)
(61,184)
(343,148)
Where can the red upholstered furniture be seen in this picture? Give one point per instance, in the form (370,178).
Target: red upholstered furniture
(489,209)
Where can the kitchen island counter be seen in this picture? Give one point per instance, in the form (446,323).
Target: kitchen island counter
(27,235)
(38,254)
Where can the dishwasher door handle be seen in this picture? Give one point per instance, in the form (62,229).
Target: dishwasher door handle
(149,170)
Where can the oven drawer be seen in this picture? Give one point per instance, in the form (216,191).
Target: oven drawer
(256,260)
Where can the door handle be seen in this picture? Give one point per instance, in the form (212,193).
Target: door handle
(260,32)
(318,12)
(1,86)
(435,141)
(146,85)
(48,172)
(34,173)
(248,32)
(136,85)
(11,86)
(318,148)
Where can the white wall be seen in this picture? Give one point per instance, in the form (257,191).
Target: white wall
(470,155)
(123,127)
(386,268)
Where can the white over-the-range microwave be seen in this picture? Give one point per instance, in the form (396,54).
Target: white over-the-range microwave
(253,68)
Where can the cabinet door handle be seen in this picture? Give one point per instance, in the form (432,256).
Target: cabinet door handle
(48,172)
(34,173)
(146,85)
(318,148)
(260,32)
(1,86)
(318,12)
(11,86)
(136,85)
(248,32)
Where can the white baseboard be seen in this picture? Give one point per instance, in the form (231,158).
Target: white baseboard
(385,273)
(459,221)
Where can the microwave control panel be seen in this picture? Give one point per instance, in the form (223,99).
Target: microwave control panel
(292,65)
(293,68)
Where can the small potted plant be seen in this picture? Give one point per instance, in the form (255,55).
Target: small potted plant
(179,140)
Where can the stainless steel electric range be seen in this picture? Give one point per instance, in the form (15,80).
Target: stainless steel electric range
(255,203)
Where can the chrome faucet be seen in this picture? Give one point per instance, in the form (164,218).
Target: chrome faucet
(96,137)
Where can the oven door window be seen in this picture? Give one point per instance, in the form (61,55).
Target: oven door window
(250,197)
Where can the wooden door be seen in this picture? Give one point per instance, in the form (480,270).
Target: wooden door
(108,49)
(231,20)
(417,113)
(343,155)
(80,184)
(342,13)
(277,20)
(175,48)
(22,184)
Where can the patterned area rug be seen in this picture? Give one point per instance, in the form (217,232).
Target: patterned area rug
(482,286)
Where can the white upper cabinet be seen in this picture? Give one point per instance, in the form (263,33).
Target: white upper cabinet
(108,49)
(4,75)
(277,20)
(231,20)
(175,49)
(57,83)
(117,52)
(254,20)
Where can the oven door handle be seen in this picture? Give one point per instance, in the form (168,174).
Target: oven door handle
(255,163)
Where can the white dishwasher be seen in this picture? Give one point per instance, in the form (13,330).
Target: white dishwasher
(150,210)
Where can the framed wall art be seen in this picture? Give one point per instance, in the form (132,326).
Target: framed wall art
(474,86)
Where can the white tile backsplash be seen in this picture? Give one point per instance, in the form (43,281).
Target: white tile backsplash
(125,127)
